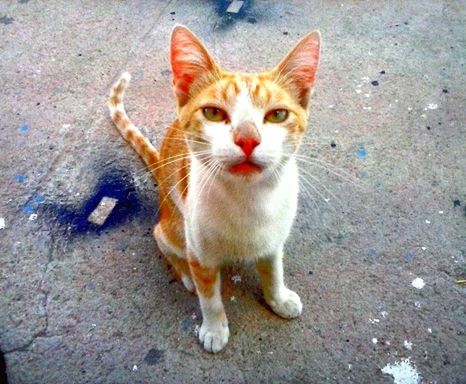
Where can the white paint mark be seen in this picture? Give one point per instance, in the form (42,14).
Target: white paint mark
(417,304)
(408,345)
(403,372)
(418,283)
(33,216)
(331,106)
(423,248)
(373,321)
(135,368)
(358,91)
(427,221)
(94,325)
(374,340)
(102,211)
(432,106)
(236,279)
(410,108)
(384,314)
(66,125)
(2,223)
(429,330)
(441,212)
(349,367)
(367,95)
(235,6)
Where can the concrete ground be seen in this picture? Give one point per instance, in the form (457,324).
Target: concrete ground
(87,304)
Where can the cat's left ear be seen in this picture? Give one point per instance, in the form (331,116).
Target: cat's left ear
(192,65)
(297,71)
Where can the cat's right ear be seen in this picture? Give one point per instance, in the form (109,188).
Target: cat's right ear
(191,64)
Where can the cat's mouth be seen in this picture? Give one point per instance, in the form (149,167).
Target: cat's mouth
(245,168)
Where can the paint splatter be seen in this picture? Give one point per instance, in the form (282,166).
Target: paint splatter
(135,368)
(432,106)
(28,209)
(374,340)
(20,178)
(153,356)
(6,20)
(2,223)
(408,345)
(115,183)
(403,372)
(33,217)
(24,128)
(418,283)
(186,324)
(361,153)
(39,199)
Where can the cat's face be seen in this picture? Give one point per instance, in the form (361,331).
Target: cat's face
(244,125)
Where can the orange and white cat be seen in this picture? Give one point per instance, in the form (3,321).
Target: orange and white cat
(227,177)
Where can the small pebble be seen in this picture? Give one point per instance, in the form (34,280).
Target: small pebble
(2,223)
(375,83)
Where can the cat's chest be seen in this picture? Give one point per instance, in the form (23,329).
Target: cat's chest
(245,222)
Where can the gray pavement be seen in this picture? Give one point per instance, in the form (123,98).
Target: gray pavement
(86,304)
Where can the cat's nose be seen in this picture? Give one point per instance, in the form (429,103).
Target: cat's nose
(247,144)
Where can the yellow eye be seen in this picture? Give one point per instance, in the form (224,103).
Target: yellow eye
(214,114)
(276,116)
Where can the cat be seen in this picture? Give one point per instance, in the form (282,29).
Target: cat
(227,177)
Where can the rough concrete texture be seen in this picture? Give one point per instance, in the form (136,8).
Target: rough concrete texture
(84,305)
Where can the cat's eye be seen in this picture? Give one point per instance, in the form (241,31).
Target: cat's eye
(214,114)
(276,116)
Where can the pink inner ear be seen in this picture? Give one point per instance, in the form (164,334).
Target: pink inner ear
(190,62)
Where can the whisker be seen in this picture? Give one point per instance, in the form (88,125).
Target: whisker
(327,166)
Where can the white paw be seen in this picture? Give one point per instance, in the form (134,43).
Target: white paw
(288,305)
(188,283)
(214,337)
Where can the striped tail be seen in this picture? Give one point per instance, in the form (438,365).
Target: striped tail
(127,129)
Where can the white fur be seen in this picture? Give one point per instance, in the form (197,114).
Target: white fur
(231,217)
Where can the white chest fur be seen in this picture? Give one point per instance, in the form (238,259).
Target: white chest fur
(230,221)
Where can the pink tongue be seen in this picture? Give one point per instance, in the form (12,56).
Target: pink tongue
(245,167)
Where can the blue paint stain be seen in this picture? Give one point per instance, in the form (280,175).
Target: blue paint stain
(115,183)
(409,256)
(186,324)
(20,178)
(24,128)
(361,152)
(39,199)
(28,209)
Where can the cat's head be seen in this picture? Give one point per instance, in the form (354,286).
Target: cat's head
(247,125)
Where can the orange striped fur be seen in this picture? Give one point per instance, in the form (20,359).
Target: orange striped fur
(225,161)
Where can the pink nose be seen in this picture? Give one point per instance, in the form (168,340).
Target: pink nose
(247,144)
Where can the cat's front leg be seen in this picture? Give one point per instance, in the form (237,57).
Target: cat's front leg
(283,301)
(214,331)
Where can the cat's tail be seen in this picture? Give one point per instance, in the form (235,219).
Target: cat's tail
(127,129)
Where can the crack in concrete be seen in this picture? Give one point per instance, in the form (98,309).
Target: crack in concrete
(43,332)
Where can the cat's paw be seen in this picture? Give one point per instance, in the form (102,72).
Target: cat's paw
(287,305)
(214,337)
